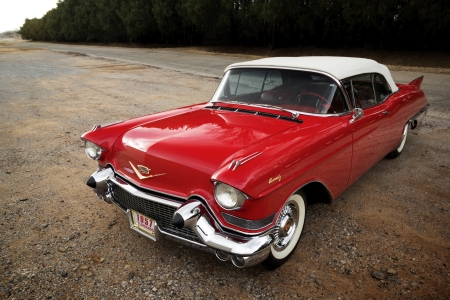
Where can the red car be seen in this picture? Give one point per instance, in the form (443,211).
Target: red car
(235,174)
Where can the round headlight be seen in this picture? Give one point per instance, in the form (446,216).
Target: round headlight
(228,197)
(92,150)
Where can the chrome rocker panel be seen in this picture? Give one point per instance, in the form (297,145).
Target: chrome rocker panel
(192,214)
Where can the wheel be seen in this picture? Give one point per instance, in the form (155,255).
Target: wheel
(396,152)
(287,231)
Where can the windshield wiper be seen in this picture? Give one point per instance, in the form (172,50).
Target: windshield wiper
(294,113)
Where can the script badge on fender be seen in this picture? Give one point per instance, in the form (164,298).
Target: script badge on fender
(144,170)
(275,179)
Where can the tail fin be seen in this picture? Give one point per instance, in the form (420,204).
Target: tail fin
(417,82)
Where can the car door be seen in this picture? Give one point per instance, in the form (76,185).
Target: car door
(371,132)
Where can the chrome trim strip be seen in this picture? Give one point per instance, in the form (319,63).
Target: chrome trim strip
(135,192)
(99,126)
(237,162)
(419,113)
(181,239)
(414,118)
(120,173)
(189,244)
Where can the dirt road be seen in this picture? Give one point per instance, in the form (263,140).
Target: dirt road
(192,61)
(386,237)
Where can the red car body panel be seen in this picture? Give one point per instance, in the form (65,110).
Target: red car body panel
(233,176)
(189,148)
(194,146)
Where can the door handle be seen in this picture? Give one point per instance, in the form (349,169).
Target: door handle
(386,112)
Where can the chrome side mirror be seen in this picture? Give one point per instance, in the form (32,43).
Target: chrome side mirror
(358,113)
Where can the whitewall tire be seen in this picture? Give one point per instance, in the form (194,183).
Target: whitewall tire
(287,231)
(396,152)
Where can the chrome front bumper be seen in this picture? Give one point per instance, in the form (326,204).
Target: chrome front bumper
(193,214)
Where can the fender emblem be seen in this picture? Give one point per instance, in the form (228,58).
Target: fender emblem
(144,170)
(275,179)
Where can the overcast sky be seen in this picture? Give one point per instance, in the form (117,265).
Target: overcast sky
(14,12)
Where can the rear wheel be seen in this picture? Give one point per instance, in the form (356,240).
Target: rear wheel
(287,231)
(396,152)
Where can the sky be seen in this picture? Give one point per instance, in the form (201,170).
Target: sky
(14,12)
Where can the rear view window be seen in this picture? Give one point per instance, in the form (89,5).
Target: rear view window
(367,89)
(381,88)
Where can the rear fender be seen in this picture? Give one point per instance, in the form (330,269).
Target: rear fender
(417,82)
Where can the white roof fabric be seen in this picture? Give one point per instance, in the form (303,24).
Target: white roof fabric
(339,67)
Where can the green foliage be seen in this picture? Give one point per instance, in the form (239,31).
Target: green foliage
(411,24)
(139,21)
(168,20)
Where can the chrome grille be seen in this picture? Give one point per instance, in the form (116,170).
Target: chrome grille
(157,211)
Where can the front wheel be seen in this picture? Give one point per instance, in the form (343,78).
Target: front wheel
(287,231)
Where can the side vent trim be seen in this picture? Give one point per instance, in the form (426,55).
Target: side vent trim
(256,113)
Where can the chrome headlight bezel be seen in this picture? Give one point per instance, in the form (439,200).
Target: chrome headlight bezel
(228,197)
(93,151)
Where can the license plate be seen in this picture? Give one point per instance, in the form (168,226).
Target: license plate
(143,223)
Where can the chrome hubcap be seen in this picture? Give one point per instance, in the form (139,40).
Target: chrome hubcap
(286,225)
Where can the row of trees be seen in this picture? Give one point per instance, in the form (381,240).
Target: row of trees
(9,34)
(413,24)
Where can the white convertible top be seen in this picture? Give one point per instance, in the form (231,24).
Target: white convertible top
(339,67)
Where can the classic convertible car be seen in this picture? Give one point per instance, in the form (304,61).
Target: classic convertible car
(233,175)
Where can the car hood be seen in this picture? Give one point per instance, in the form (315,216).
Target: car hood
(182,152)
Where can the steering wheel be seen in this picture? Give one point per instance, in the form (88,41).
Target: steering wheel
(324,104)
(324,101)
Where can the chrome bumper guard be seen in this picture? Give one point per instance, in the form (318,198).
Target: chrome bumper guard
(193,214)
(97,182)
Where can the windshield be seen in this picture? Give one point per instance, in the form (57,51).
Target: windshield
(301,91)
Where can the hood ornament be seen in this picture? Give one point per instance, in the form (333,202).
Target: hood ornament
(143,170)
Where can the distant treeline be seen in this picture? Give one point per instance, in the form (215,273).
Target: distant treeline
(406,24)
(10,34)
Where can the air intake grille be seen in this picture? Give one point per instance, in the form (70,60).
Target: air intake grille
(248,224)
(256,113)
(157,211)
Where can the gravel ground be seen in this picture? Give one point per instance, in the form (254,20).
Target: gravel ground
(386,237)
